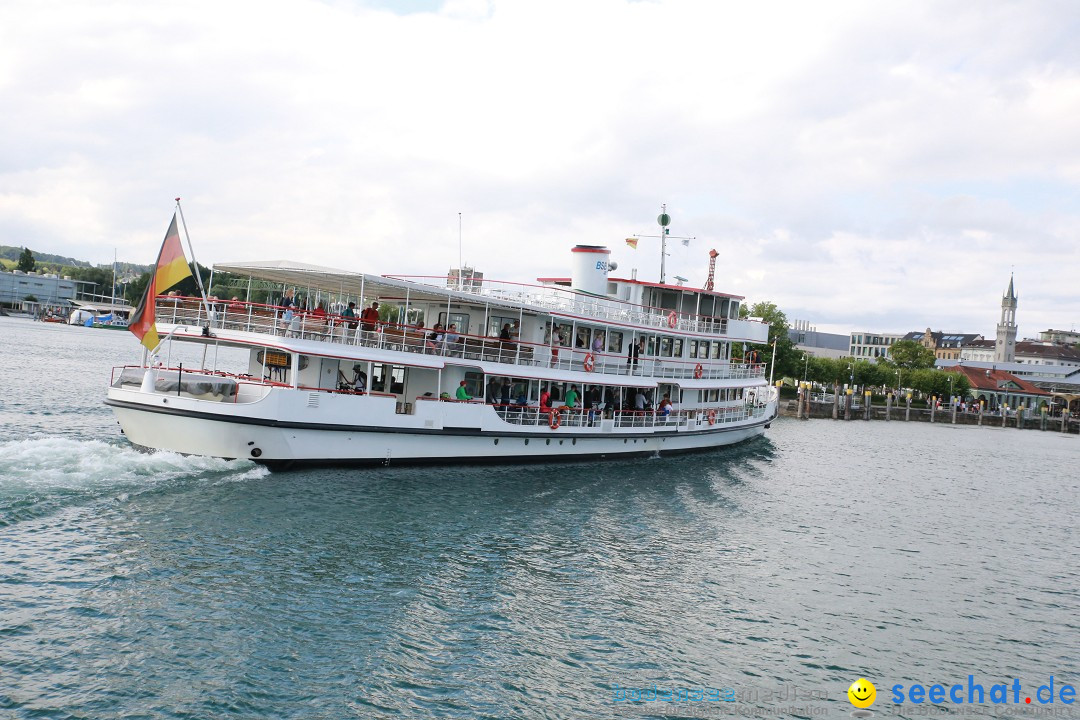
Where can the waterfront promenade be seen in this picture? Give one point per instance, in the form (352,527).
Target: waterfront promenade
(847,408)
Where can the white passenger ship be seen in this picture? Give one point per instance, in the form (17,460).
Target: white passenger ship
(320,387)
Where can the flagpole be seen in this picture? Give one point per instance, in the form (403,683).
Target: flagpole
(772,365)
(198,275)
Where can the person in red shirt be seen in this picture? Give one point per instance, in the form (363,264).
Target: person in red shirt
(369,317)
(545,399)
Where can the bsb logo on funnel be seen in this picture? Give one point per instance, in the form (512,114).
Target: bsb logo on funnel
(862,694)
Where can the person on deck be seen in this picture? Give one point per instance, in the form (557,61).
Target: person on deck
(289,300)
(350,316)
(545,399)
(633,354)
(463,392)
(434,338)
(572,396)
(665,406)
(370,317)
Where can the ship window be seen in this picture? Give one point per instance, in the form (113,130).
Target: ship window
(693,349)
(388,379)
(676,347)
(474,384)
(650,345)
(716,348)
(495,324)
(615,342)
(665,347)
(459,319)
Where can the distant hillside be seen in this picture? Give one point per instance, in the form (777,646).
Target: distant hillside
(7,252)
(9,258)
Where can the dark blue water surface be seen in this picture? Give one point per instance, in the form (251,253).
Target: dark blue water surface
(156,586)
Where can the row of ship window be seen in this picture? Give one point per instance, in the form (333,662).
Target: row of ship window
(612,341)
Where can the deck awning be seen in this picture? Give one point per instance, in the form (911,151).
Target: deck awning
(354,284)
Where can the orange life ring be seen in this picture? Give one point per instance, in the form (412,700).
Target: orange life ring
(711,417)
(554,420)
(672,319)
(698,371)
(588,363)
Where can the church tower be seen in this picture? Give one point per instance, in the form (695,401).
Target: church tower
(1005,347)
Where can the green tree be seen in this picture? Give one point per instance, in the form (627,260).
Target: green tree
(26,261)
(789,359)
(911,355)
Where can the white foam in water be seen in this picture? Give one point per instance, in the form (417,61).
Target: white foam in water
(55,463)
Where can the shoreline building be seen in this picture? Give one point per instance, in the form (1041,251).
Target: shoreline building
(1060,337)
(945,346)
(818,344)
(1000,389)
(48,290)
(1003,368)
(868,345)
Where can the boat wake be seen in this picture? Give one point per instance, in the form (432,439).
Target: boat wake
(42,475)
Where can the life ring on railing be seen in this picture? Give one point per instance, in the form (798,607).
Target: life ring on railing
(672,319)
(698,371)
(588,362)
(554,420)
(711,417)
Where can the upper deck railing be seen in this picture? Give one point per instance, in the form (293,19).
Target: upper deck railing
(272,320)
(573,302)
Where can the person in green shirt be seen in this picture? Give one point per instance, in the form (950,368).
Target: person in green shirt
(462,393)
(572,396)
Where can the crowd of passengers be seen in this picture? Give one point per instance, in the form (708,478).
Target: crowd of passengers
(594,399)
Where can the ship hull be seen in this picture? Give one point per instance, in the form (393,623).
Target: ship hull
(283,444)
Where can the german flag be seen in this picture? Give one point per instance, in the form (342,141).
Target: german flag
(171,267)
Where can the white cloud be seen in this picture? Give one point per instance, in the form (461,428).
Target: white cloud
(863,165)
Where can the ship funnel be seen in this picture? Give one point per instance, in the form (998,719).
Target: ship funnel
(590,268)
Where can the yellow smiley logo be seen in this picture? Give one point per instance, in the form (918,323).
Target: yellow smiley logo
(862,693)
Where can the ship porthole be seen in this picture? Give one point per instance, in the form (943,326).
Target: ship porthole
(560,442)
(548,441)
(256,452)
(496,441)
(526,441)
(574,441)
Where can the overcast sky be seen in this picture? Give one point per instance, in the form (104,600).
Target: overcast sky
(865,165)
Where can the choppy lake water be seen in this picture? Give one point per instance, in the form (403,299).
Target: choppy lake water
(157,586)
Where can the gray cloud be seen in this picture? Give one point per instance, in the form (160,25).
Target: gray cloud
(864,166)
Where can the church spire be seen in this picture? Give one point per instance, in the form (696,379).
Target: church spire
(1005,345)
